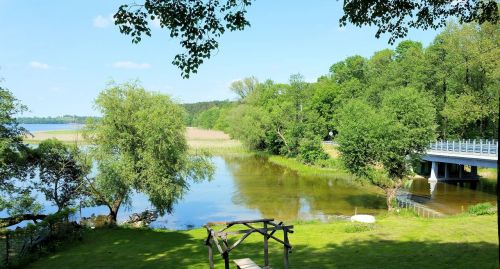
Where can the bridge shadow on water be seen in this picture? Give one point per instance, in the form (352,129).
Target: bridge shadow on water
(128,248)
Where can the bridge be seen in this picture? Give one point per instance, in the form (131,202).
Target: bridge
(454,155)
(450,157)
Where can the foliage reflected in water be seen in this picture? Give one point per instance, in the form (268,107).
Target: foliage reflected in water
(282,194)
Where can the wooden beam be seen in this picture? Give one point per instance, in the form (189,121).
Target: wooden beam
(266,251)
(285,249)
(248,221)
(221,234)
(239,241)
(270,236)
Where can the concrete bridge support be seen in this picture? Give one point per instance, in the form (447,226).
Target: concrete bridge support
(446,171)
(449,168)
(473,171)
(434,172)
(461,171)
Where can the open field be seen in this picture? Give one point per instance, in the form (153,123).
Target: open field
(67,136)
(198,139)
(212,141)
(393,242)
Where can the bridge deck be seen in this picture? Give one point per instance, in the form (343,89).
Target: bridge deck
(466,147)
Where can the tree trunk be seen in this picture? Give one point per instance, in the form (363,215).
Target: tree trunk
(283,138)
(113,211)
(391,193)
(390,196)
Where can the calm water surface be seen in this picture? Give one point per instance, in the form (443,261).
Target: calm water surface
(51,127)
(247,187)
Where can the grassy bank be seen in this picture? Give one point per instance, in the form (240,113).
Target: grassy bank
(393,242)
(327,167)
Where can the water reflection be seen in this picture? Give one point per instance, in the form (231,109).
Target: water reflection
(281,193)
(454,196)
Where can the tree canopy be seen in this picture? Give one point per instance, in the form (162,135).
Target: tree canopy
(396,17)
(197,23)
(200,23)
(14,154)
(17,164)
(61,172)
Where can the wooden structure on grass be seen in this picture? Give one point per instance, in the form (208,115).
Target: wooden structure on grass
(266,227)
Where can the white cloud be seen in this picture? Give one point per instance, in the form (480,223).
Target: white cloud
(131,65)
(102,21)
(38,65)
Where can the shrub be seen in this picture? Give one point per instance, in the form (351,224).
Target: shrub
(481,209)
(310,150)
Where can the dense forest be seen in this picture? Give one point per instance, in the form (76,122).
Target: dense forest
(457,74)
(204,114)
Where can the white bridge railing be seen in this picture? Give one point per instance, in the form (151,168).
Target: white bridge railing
(470,146)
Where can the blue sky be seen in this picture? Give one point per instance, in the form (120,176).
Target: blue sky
(56,56)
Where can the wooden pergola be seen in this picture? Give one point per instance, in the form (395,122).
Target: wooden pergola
(220,240)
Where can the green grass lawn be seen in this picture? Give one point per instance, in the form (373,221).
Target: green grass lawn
(394,242)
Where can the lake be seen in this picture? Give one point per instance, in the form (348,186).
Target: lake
(51,127)
(248,186)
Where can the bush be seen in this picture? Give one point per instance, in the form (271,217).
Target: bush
(310,149)
(99,221)
(481,209)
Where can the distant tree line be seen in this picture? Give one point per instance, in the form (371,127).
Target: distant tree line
(66,119)
(205,114)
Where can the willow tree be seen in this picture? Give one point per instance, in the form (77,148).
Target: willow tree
(139,145)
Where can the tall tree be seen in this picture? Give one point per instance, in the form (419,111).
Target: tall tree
(380,143)
(16,165)
(244,87)
(139,144)
(14,154)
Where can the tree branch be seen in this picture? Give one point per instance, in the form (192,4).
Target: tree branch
(13,220)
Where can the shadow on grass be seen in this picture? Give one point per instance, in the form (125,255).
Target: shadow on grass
(381,254)
(128,248)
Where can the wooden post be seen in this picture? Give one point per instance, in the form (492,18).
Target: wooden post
(225,255)
(266,250)
(7,246)
(210,257)
(285,248)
